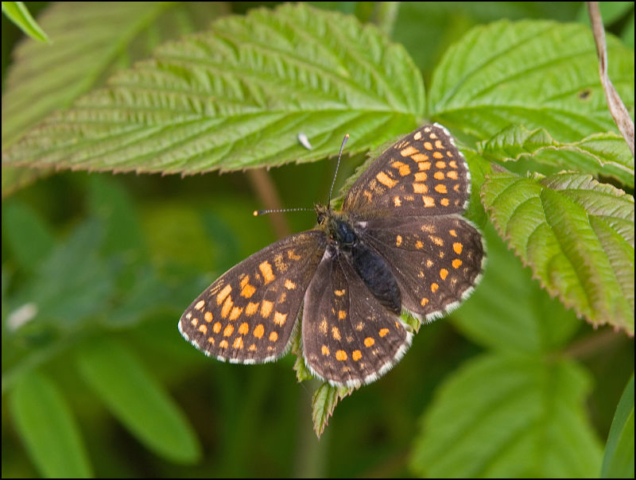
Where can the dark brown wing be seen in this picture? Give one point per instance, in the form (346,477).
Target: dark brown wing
(248,314)
(349,338)
(436,261)
(422,174)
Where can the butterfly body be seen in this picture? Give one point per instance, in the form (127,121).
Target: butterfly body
(399,242)
(346,238)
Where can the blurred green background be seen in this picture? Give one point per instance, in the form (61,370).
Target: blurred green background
(113,260)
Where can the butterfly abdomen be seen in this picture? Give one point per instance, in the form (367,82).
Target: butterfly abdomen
(371,267)
(377,276)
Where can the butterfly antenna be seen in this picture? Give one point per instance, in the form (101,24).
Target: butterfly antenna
(335,175)
(282,210)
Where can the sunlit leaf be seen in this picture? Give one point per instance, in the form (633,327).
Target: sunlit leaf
(537,73)
(602,153)
(576,234)
(238,96)
(507,416)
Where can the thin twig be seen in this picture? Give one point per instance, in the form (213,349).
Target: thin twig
(268,195)
(614,102)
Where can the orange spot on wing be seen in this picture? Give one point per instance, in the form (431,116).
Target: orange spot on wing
(266,308)
(222,294)
(341,355)
(428,201)
(458,248)
(385,180)
(251,309)
(259,331)
(384,332)
(236,313)
(266,270)
(280,318)
(420,188)
(408,151)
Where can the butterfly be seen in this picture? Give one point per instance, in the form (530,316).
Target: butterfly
(398,243)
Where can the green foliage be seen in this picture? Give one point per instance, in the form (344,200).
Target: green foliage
(528,73)
(516,424)
(135,399)
(237,97)
(48,428)
(96,271)
(576,234)
(619,453)
(19,15)
(599,154)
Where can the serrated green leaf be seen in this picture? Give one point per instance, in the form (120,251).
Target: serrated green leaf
(509,311)
(135,398)
(43,78)
(507,416)
(531,73)
(603,153)
(48,429)
(26,235)
(19,15)
(237,97)
(619,452)
(576,234)
(324,402)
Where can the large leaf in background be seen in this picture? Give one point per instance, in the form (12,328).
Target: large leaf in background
(238,96)
(91,41)
(619,452)
(509,416)
(537,73)
(509,311)
(576,234)
(599,154)
(46,425)
(135,398)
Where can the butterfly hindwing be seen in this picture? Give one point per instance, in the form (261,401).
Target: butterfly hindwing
(436,260)
(349,338)
(248,314)
(422,174)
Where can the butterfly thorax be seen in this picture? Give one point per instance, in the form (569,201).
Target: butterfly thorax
(344,241)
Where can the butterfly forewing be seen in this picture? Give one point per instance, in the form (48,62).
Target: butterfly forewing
(436,261)
(422,174)
(349,337)
(248,314)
